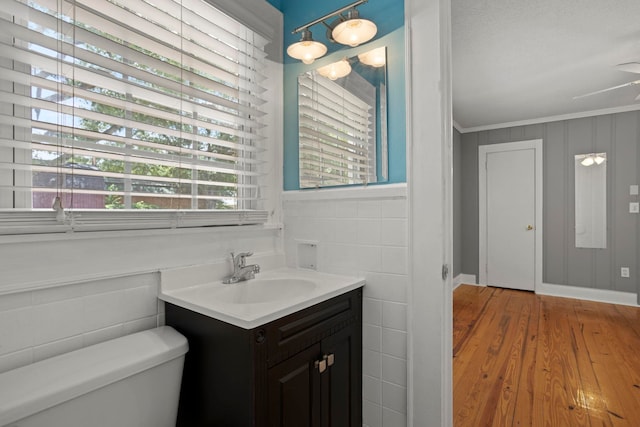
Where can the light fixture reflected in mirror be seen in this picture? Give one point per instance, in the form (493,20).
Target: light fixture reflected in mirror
(587,161)
(335,70)
(375,58)
(348,29)
(593,158)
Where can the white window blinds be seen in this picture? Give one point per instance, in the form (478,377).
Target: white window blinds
(130,104)
(337,140)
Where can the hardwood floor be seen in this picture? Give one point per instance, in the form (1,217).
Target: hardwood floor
(521,359)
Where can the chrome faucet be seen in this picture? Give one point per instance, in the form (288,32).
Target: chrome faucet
(241,271)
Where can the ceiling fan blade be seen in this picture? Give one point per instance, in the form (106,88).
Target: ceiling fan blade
(633,83)
(630,67)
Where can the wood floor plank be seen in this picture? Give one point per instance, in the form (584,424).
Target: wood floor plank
(615,368)
(631,316)
(470,303)
(482,366)
(589,397)
(556,380)
(523,415)
(511,372)
(493,372)
(522,359)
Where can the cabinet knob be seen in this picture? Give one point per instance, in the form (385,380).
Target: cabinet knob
(330,358)
(321,365)
(327,360)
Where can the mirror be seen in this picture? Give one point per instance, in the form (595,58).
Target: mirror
(591,200)
(342,122)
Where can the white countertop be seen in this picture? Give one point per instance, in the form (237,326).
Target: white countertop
(213,298)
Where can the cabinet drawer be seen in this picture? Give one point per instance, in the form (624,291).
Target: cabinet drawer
(293,333)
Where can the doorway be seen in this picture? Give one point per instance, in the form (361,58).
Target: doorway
(510,214)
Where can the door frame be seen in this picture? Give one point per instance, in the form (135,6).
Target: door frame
(429,200)
(483,151)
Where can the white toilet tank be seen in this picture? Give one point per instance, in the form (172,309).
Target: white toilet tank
(132,381)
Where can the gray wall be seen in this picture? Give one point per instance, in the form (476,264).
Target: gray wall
(563,264)
(457,203)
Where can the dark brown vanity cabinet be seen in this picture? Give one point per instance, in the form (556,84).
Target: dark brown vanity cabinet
(304,369)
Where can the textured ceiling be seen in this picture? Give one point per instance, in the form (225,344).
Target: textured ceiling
(517,60)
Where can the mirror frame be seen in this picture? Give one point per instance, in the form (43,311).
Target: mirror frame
(590,171)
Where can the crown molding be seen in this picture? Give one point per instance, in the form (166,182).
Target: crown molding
(548,119)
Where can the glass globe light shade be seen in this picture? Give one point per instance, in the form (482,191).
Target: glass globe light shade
(354,30)
(307,50)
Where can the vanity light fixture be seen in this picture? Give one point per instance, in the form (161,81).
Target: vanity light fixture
(354,31)
(348,29)
(335,70)
(307,49)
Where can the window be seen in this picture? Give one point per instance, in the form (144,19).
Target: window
(337,132)
(112,105)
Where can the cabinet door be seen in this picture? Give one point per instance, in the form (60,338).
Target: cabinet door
(294,391)
(342,381)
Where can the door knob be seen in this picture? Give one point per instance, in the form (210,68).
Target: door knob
(529,227)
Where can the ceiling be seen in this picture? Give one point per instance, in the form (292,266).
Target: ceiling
(524,61)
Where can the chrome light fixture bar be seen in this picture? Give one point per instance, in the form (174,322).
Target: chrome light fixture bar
(348,29)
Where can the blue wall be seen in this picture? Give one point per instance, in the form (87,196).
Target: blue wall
(276,3)
(389,18)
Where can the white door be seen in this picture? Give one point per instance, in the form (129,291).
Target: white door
(509,219)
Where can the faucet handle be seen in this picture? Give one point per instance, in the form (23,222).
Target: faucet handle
(238,260)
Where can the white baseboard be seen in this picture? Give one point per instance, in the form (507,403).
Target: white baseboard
(564,291)
(467,279)
(589,294)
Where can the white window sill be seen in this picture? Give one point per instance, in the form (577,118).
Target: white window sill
(21,222)
(348,193)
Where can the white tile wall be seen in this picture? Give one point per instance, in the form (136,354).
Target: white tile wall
(394,370)
(35,325)
(366,237)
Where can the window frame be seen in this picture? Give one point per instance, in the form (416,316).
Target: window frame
(267,21)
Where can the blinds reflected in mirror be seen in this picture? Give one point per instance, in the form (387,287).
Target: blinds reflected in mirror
(336,133)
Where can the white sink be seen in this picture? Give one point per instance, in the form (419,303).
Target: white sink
(271,295)
(258,291)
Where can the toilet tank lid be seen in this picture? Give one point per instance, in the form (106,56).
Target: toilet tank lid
(33,388)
